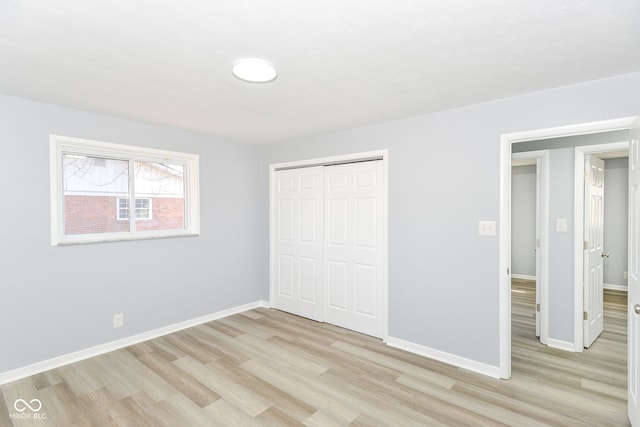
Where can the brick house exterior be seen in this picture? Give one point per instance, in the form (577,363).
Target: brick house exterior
(99,214)
(95,190)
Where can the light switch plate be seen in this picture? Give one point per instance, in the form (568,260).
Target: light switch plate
(562,225)
(487,228)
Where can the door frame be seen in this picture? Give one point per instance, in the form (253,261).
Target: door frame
(382,155)
(542,223)
(504,264)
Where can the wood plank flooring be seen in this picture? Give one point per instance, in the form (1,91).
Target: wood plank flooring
(265,367)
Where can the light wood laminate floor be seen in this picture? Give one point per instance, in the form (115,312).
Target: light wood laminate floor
(265,367)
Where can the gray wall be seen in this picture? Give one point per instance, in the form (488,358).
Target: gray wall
(443,277)
(57,300)
(444,178)
(616,209)
(523,220)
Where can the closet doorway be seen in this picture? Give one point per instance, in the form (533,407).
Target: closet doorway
(328,236)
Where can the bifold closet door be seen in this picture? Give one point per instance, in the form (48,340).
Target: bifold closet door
(297,265)
(354,246)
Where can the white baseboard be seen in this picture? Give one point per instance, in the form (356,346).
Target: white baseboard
(616,287)
(561,345)
(441,356)
(56,362)
(523,277)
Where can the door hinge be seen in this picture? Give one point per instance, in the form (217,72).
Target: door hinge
(507,271)
(585,316)
(537,243)
(537,307)
(586,245)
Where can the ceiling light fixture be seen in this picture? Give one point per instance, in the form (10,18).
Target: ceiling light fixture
(254,70)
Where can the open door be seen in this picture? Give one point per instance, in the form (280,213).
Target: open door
(594,251)
(633,284)
(538,239)
(541,237)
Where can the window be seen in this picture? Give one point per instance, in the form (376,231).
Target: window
(143,208)
(93,184)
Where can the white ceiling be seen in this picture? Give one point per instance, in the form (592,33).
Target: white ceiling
(341,63)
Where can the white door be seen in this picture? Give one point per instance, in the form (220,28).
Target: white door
(594,252)
(538,233)
(296,265)
(633,331)
(354,233)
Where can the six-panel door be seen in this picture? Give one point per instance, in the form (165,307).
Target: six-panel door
(594,250)
(298,244)
(329,245)
(354,251)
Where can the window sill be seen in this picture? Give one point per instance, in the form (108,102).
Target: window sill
(82,239)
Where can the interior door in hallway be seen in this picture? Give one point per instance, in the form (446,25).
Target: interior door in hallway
(633,313)
(297,268)
(538,248)
(354,230)
(594,251)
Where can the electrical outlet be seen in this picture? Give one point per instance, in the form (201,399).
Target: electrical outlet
(118,320)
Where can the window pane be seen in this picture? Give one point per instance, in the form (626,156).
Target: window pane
(159,196)
(123,208)
(92,187)
(143,209)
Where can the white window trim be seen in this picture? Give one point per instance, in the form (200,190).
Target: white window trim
(119,218)
(60,145)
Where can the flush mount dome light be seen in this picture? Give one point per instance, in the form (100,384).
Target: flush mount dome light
(254,71)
